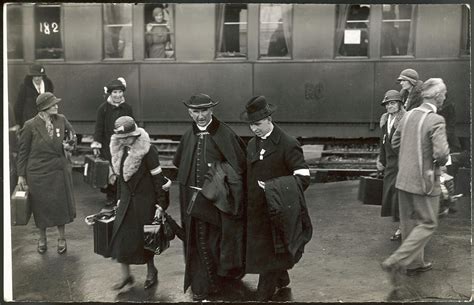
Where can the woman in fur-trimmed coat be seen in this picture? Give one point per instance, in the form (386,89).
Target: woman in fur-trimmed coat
(142,188)
(388,158)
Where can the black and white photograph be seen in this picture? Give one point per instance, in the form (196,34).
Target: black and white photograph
(237,152)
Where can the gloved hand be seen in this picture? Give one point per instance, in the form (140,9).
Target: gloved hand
(380,166)
(159,213)
(22,183)
(96,152)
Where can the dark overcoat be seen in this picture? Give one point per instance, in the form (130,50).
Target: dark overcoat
(48,172)
(104,125)
(139,192)
(233,151)
(25,106)
(283,155)
(389,159)
(413,98)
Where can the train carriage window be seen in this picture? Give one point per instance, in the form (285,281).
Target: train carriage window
(48,32)
(231,30)
(352,29)
(15,31)
(466,30)
(275,30)
(159,31)
(397,29)
(118,30)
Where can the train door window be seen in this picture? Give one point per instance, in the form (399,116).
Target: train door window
(466,30)
(14,31)
(231,30)
(118,31)
(159,31)
(48,32)
(397,29)
(275,30)
(352,29)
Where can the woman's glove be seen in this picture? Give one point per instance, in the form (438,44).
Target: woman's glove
(159,213)
(22,183)
(380,166)
(96,146)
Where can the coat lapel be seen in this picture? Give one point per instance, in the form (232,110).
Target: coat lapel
(41,128)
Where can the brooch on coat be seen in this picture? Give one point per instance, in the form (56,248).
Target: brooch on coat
(261,154)
(57,132)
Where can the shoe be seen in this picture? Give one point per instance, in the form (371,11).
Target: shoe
(42,247)
(414,271)
(151,282)
(396,236)
(199,297)
(443,212)
(283,280)
(62,245)
(395,273)
(125,282)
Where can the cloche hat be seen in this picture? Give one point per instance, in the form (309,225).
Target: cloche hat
(391,95)
(37,70)
(46,100)
(409,75)
(200,101)
(256,109)
(125,127)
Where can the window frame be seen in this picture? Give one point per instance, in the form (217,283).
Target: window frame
(290,50)
(172,5)
(21,7)
(465,31)
(230,58)
(63,41)
(132,21)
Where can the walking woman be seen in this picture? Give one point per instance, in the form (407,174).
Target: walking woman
(388,158)
(45,171)
(141,189)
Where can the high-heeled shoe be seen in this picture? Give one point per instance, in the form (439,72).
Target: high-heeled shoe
(62,245)
(396,236)
(125,282)
(152,281)
(42,246)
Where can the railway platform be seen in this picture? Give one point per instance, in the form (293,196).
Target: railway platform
(340,264)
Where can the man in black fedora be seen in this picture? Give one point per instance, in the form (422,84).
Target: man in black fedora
(207,255)
(276,174)
(35,83)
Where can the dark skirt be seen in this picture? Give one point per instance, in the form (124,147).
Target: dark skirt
(390,197)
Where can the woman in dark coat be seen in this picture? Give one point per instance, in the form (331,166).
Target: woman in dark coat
(388,158)
(142,188)
(109,111)
(45,171)
(35,83)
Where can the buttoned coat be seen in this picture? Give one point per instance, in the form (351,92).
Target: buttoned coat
(282,156)
(48,173)
(25,106)
(421,151)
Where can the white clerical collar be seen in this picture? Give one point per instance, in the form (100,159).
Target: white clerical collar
(435,109)
(205,127)
(268,134)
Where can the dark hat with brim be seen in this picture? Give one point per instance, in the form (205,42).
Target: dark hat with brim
(37,70)
(391,95)
(200,101)
(125,127)
(256,109)
(46,100)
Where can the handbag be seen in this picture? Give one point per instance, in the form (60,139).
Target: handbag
(157,235)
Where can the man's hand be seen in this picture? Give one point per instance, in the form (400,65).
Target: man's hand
(22,183)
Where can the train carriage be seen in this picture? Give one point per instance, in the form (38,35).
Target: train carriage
(326,66)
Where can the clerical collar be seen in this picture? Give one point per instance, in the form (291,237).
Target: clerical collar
(268,134)
(205,127)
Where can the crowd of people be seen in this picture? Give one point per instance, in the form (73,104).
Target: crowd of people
(242,206)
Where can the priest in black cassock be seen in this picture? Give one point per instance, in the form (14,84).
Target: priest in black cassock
(209,254)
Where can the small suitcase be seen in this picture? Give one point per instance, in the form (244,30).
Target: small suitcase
(102,236)
(370,190)
(96,171)
(20,207)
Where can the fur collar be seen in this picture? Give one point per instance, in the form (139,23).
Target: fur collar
(398,117)
(111,102)
(138,150)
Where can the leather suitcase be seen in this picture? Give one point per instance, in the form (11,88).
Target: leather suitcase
(370,190)
(102,236)
(20,207)
(96,171)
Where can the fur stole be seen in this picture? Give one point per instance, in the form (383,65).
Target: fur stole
(398,117)
(111,102)
(137,152)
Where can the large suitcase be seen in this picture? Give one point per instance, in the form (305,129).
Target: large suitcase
(20,207)
(96,171)
(370,190)
(103,235)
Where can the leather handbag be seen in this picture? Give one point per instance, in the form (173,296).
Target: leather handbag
(157,235)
